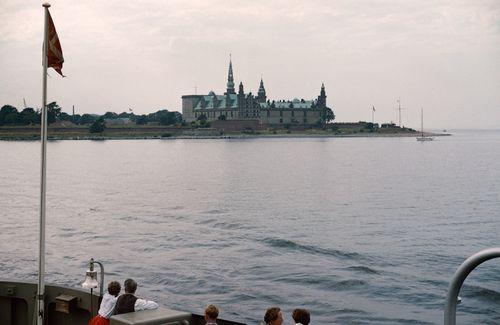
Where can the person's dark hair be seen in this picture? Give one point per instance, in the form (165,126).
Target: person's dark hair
(272,314)
(212,312)
(301,316)
(114,288)
(130,286)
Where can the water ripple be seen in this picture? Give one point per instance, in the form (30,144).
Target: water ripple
(294,246)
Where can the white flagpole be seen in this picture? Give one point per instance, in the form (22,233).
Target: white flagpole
(41,252)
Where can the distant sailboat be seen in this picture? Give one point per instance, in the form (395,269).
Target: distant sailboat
(422,137)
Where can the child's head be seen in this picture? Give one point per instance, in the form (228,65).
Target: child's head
(211,313)
(114,288)
(130,286)
(301,316)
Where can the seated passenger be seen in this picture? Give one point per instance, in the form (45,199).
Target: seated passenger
(301,316)
(108,303)
(211,314)
(128,302)
(273,316)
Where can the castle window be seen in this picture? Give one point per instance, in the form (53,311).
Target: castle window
(281,120)
(293,113)
(305,114)
(281,114)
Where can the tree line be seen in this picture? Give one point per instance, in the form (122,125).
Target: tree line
(10,115)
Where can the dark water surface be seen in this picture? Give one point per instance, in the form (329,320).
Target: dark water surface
(357,230)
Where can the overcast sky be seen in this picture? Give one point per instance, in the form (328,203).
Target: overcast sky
(443,56)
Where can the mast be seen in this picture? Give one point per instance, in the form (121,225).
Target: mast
(43,168)
(399,109)
(422,121)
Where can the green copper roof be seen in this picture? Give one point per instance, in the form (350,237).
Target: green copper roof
(216,101)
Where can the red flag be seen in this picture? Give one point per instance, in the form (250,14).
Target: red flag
(54,54)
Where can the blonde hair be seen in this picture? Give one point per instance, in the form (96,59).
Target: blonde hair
(212,312)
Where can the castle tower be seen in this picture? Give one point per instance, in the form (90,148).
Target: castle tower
(230,78)
(322,97)
(241,101)
(261,95)
(240,90)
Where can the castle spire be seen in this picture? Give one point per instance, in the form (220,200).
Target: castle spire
(241,91)
(321,102)
(230,78)
(261,95)
(261,86)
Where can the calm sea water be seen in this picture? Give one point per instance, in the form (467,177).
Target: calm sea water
(357,230)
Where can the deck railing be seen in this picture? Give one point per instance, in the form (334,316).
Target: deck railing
(458,279)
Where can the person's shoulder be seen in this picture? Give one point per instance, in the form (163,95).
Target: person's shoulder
(108,297)
(123,295)
(141,304)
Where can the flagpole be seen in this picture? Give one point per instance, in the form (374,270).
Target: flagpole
(43,168)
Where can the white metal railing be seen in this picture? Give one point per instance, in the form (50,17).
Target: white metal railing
(459,277)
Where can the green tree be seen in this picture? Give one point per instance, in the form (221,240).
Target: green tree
(164,117)
(98,126)
(327,115)
(202,120)
(64,117)
(142,120)
(29,116)
(75,118)
(5,111)
(88,119)
(12,119)
(110,115)
(53,112)
(126,115)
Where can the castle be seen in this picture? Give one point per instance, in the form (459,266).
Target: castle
(246,106)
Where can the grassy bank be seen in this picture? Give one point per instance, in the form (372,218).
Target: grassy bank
(158,132)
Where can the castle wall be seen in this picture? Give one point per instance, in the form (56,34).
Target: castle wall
(266,116)
(237,125)
(188,104)
(276,116)
(213,114)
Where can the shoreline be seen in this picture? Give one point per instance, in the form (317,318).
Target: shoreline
(227,136)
